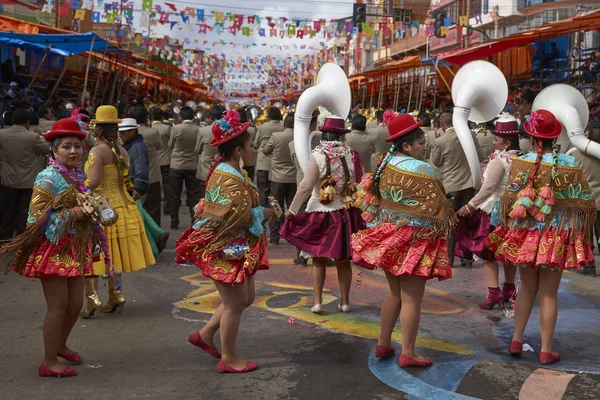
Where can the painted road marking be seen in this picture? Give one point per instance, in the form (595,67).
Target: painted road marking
(545,384)
(447,376)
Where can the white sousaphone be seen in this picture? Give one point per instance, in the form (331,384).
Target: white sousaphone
(332,91)
(479,93)
(570,107)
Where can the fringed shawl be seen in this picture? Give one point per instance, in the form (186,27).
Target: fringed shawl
(227,210)
(574,206)
(43,205)
(406,198)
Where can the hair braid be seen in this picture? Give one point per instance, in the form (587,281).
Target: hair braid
(346,173)
(538,159)
(109,134)
(555,158)
(382,163)
(218,159)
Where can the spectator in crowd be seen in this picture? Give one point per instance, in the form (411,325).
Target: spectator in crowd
(283,171)
(263,163)
(46,118)
(164,153)
(20,152)
(361,142)
(184,165)
(153,144)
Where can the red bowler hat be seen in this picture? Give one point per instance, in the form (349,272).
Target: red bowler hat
(65,127)
(542,124)
(400,125)
(334,125)
(228,128)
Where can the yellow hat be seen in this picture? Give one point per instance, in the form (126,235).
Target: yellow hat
(106,115)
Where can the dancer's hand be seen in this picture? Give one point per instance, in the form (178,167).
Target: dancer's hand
(288,214)
(268,213)
(464,211)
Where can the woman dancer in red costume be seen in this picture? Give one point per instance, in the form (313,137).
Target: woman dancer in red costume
(410,220)
(56,246)
(227,241)
(545,214)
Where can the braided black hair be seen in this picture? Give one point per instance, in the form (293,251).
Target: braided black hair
(225,151)
(409,139)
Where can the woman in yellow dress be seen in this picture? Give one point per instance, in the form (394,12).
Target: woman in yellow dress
(129,250)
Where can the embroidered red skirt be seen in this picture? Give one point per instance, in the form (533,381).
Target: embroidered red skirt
(46,262)
(324,234)
(395,250)
(191,246)
(471,232)
(535,248)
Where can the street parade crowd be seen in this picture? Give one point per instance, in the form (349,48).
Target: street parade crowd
(83,193)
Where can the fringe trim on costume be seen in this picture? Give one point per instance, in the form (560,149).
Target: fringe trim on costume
(16,252)
(570,218)
(366,201)
(425,227)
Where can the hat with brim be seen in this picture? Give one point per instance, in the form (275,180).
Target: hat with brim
(334,125)
(506,126)
(227,128)
(106,115)
(542,124)
(128,124)
(401,125)
(64,128)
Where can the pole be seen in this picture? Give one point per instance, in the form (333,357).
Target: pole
(99,72)
(37,71)
(87,71)
(53,91)
(412,81)
(56,9)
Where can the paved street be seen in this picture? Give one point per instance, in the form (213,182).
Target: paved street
(144,354)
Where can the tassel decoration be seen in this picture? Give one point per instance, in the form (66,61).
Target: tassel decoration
(327,192)
(518,212)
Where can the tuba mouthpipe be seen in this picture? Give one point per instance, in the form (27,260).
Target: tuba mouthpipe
(460,120)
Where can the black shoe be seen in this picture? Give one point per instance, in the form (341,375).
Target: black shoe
(301,262)
(161,243)
(174,225)
(274,241)
(466,263)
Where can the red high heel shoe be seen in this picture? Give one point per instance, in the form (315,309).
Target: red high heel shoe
(48,373)
(494,296)
(224,368)
(549,358)
(509,291)
(515,348)
(196,340)
(406,361)
(72,358)
(382,351)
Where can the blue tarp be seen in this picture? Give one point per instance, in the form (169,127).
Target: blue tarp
(433,59)
(61,44)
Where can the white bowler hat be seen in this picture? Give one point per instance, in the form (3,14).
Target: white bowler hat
(127,124)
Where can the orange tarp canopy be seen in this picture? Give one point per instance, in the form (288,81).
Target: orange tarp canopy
(393,67)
